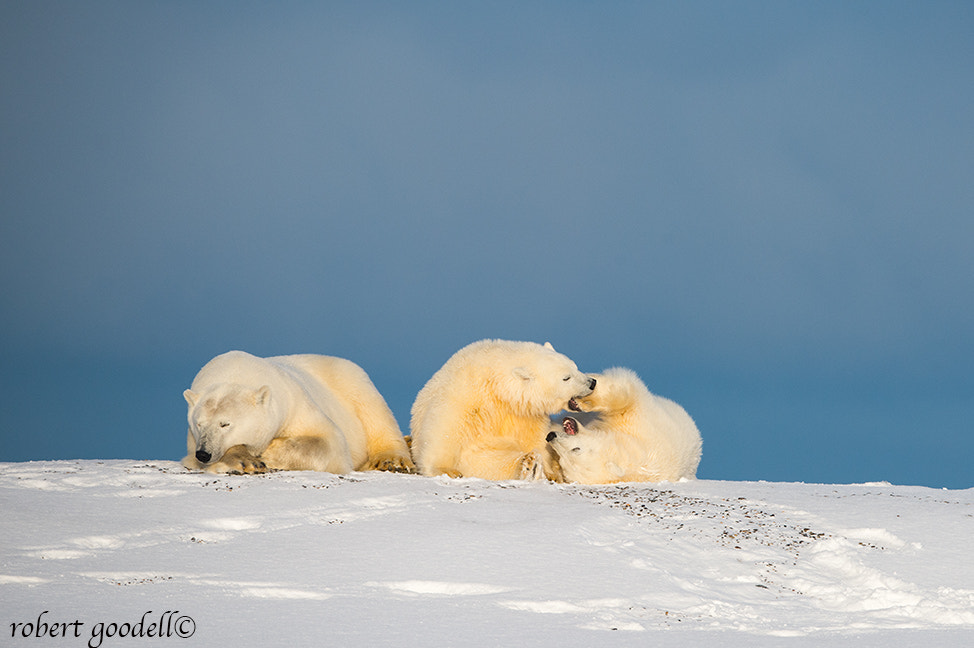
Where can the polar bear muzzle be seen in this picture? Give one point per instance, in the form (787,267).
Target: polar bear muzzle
(573,404)
(568,424)
(203,456)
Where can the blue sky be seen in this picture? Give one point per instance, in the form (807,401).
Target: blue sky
(764,209)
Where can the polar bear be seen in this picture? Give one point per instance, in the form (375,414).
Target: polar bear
(296,412)
(625,433)
(485,412)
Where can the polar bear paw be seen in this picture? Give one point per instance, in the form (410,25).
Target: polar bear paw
(532,467)
(238,460)
(391,464)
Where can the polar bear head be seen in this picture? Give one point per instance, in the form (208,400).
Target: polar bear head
(226,415)
(543,380)
(587,454)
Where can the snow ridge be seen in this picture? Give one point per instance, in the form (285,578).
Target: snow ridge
(368,556)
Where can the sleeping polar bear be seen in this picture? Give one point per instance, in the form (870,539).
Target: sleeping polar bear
(298,412)
(625,433)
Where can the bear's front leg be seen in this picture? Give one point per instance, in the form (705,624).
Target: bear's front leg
(238,460)
(307,452)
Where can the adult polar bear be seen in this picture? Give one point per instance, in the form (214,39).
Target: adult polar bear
(485,412)
(626,434)
(296,412)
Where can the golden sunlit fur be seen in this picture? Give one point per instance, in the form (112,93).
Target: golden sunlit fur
(625,433)
(299,412)
(485,412)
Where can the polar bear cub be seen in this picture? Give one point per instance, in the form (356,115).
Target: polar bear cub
(625,433)
(485,412)
(297,412)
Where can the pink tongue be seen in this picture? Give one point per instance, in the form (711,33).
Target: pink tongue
(569,426)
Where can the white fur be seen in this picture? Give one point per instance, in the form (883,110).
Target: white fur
(298,412)
(485,412)
(626,434)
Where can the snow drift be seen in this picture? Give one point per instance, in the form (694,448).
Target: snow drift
(303,558)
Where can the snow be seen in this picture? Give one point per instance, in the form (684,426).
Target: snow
(374,559)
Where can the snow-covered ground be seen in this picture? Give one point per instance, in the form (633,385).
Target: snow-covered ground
(370,559)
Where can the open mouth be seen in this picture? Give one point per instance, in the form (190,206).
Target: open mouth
(570,426)
(573,405)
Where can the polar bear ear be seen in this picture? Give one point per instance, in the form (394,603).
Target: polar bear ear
(522,373)
(191,397)
(262,395)
(548,346)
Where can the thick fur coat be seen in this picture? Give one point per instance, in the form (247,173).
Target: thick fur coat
(625,433)
(485,412)
(299,412)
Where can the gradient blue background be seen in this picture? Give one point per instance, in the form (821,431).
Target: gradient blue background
(766,209)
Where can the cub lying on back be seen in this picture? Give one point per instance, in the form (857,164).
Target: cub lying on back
(625,433)
(485,412)
(299,412)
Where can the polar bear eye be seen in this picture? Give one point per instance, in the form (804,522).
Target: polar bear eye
(567,378)
(224,424)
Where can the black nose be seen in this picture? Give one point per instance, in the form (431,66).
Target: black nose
(203,456)
(591,383)
(551,437)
